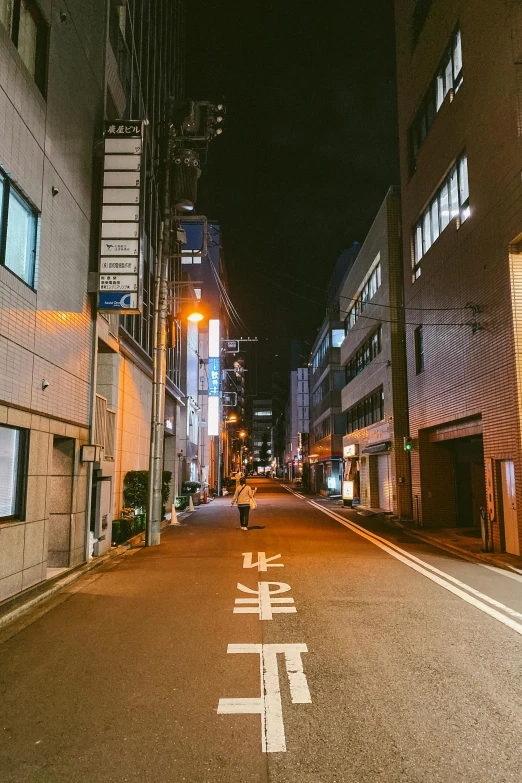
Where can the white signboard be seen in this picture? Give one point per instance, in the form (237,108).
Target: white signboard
(120,258)
(119,282)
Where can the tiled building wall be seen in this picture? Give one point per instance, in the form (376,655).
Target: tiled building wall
(465,374)
(45,333)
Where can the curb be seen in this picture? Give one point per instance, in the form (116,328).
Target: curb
(473,557)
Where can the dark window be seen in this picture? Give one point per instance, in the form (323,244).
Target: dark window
(366,354)
(13,469)
(29,32)
(367,411)
(419,350)
(420,14)
(339,424)
(18,228)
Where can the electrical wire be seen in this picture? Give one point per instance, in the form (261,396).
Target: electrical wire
(351,298)
(371,304)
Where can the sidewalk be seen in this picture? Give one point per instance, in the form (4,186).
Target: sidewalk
(17,605)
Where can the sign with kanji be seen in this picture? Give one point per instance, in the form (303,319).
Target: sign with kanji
(121,220)
(213,376)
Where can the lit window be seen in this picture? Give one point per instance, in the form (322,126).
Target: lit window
(17,233)
(448,77)
(28,31)
(12,456)
(367,293)
(337,337)
(450,201)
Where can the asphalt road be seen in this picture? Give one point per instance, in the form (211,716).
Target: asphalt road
(400,663)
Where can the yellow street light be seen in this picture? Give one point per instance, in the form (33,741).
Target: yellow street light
(242,434)
(195,317)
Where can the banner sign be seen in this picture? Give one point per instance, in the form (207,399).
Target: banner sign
(120,252)
(213,377)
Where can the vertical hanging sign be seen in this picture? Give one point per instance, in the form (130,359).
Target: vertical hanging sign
(121,274)
(214,372)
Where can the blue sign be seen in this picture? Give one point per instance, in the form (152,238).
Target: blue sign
(116,300)
(213,376)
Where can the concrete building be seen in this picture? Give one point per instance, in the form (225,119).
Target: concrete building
(460,123)
(71,377)
(326,379)
(45,309)
(124,344)
(296,422)
(373,356)
(262,421)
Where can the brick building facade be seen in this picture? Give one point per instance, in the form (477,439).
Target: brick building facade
(459,100)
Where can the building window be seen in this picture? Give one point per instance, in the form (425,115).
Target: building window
(448,77)
(450,201)
(321,352)
(13,456)
(420,14)
(366,354)
(18,223)
(29,32)
(364,296)
(367,411)
(419,350)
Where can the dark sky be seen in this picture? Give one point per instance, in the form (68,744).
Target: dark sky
(308,150)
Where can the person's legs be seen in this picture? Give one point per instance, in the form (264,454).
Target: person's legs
(243,515)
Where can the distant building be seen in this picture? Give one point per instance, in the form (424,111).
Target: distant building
(326,379)
(375,397)
(296,422)
(262,420)
(460,126)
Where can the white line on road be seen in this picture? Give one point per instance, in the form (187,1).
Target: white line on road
(269,705)
(263,562)
(439,577)
(503,572)
(264,605)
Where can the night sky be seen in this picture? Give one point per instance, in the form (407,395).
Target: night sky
(308,150)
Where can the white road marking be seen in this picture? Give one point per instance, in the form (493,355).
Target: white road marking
(263,562)
(444,580)
(265,605)
(503,572)
(269,705)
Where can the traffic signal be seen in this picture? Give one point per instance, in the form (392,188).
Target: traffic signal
(408,444)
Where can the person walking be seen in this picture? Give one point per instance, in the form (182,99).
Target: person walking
(244,497)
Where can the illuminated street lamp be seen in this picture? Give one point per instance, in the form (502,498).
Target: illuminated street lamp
(195,317)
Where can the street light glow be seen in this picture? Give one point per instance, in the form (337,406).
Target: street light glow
(195,317)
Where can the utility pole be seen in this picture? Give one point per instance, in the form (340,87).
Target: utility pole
(155,505)
(185,135)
